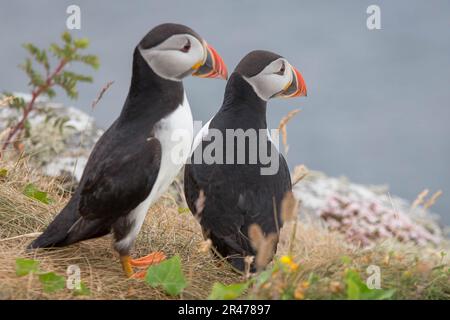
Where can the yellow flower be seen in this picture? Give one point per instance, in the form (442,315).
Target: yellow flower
(299,294)
(286,260)
(305,284)
(407,274)
(293,266)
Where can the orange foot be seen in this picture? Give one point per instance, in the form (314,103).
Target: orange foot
(148,260)
(142,263)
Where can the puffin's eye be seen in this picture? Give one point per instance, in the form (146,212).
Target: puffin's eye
(282,69)
(186,47)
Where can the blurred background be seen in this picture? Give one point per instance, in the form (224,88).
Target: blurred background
(378,106)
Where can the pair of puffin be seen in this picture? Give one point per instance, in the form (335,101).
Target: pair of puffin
(133,163)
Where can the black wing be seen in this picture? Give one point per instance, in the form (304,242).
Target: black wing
(119,177)
(235,199)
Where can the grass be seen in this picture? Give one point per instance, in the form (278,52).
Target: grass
(312,263)
(166,229)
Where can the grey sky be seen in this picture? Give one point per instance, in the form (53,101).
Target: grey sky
(377,109)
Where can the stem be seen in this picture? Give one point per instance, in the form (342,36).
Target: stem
(17,129)
(292,239)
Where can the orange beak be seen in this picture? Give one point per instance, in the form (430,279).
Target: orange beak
(297,88)
(212,67)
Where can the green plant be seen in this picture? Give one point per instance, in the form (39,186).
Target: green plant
(43,82)
(3,173)
(358,290)
(50,281)
(168,275)
(32,191)
(227,292)
(26,266)
(82,291)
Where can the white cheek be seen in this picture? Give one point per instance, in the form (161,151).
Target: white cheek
(170,64)
(276,83)
(267,85)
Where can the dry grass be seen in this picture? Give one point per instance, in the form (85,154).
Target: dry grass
(282,126)
(421,199)
(101,93)
(321,259)
(165,229)
(313,248)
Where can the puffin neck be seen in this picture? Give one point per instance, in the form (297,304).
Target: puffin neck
(241,99)
(146,86)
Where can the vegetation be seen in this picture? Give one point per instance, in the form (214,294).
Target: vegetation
(43,83)
(311,262)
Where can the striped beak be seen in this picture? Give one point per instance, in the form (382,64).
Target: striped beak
(297,88)
(212,67)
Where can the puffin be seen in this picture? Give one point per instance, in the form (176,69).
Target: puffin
(229,185)
(140,154)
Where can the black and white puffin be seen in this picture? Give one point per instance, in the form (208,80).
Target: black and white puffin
(138,157)
(236,194)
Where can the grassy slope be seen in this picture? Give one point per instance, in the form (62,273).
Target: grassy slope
(320,267)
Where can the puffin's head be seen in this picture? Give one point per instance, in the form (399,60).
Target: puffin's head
(174,51)
(271,75)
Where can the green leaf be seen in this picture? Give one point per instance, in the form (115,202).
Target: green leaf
(51,282)
(68,81)
(67,38)
(183,210)
(82,43)
(57,50)
(38,54)
(50,92)
(25,266)
(31,48)
(35,78)
(32,192)
(354,285)
(83,291)
(346,260)
(381,294)
(3,173)
(168,275)
(358,290)
(227,292)
(91,60)
(77,77)
(68,52)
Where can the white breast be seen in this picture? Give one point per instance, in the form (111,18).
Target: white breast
(200,135)
(175,134)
